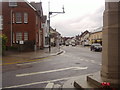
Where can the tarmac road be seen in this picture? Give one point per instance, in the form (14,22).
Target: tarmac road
(74,61)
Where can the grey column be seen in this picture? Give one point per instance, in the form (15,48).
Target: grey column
(110,70)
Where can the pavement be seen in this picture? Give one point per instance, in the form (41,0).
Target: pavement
(13,57)
(73,83)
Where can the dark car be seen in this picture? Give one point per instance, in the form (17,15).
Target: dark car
(96,47)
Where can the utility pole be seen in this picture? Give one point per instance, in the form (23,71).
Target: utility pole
(50,13)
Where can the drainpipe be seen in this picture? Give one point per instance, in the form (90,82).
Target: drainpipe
(11,27)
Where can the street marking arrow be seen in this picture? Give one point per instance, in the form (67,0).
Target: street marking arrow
(80,68)
(50,71)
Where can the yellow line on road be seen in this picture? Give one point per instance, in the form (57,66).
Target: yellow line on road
(32,60)
(25,61)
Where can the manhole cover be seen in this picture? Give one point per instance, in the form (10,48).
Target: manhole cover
(77,63)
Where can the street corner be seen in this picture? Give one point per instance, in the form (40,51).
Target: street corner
(57,53)
(60,52)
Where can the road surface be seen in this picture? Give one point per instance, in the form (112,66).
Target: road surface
(74,61)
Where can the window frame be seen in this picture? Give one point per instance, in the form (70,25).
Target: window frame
(18,17)
(25,17)
(27,35)
(13,36)
(12,3)
(13,17)
(18,36)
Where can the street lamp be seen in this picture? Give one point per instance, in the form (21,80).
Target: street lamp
(50,13)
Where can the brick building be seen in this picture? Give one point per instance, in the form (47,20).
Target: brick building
(22,23)
(38,7)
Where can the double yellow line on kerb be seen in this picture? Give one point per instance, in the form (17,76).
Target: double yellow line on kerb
(19,62)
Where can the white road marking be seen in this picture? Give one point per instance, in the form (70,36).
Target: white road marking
(49,85)
(34,83)
(50,71)
(81,59)
(28,63)
(86,60)
(80,68)
(92,61)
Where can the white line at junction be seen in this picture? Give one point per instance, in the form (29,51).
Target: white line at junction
(50,71)
(35,83)
(42,82)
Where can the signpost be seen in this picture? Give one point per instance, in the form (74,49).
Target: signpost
(50,13)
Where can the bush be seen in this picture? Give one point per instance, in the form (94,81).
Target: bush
(3,41)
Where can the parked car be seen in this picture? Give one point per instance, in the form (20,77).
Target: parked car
(67,44)
(96,47)
(86,44)
(73,44)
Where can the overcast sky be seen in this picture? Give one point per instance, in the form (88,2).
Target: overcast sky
(80,15)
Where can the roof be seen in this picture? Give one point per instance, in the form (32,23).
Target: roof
(30,5)
(21,1)
(84,33)
(44,18)
(97,30)
(54,31)
(38,7)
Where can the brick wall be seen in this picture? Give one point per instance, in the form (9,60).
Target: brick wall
(31,27)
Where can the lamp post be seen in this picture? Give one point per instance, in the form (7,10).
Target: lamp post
(50,13)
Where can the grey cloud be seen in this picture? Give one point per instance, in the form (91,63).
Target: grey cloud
(75,26)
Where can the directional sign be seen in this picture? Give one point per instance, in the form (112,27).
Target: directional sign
(51,71)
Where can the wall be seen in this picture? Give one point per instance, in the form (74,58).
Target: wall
(30,27)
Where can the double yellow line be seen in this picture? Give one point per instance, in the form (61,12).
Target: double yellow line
(31,60)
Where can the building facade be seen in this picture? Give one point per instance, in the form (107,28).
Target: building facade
(45,27)
(1,18)
(1,24)
(38,7)
(96,36)
(55,37)
(21,24)
(84,38)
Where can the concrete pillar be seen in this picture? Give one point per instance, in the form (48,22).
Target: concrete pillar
(110,71)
